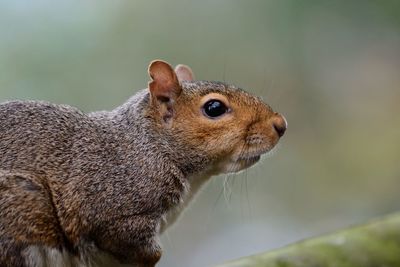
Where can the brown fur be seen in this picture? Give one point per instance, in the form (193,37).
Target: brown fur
(107,182)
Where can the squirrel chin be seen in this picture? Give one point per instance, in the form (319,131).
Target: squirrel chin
(236,165)
(244,160)
(239,164)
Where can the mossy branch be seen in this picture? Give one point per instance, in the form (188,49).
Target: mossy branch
(370,245)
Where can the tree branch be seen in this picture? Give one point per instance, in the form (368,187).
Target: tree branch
(373,244)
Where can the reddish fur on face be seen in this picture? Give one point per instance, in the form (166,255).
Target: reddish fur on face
(245,130)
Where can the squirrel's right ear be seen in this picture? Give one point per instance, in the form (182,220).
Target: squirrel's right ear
(164,86)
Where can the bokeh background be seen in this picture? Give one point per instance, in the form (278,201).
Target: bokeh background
(331,67)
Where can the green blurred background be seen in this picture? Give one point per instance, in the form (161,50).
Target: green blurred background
(331,67)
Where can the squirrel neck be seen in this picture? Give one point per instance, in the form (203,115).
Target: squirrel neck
(166,150)
(131,120)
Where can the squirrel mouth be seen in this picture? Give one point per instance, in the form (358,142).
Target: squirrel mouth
(252,155)
(242,163)
(249,160)
(244,159)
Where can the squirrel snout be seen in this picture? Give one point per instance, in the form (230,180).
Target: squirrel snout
(279,123)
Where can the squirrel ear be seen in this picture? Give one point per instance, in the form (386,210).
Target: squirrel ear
(165,85)
(184,73)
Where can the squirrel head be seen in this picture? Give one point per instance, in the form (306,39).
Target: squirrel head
(231,127)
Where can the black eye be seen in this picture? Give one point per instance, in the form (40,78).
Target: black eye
(214,108)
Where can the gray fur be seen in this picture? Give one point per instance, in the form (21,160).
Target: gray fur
(99,172)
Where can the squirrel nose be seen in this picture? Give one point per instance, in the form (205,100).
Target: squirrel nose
(280,124)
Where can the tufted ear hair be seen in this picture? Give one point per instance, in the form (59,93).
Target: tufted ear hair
(184,73)
(164,86)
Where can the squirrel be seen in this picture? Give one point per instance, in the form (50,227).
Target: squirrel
(98,189)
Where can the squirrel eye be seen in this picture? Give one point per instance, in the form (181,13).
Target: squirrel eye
(214,108)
